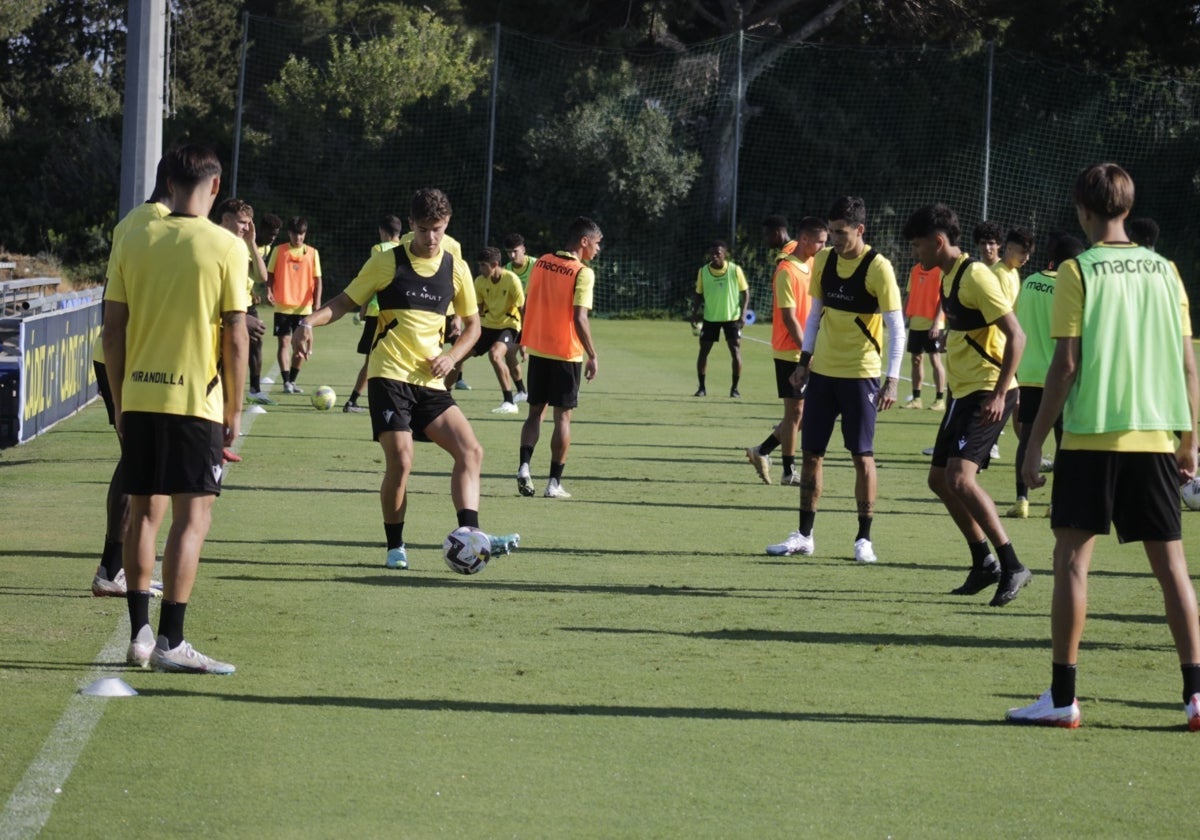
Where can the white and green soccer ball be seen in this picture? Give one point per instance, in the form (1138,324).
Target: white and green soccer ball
(467,550)
(324,398)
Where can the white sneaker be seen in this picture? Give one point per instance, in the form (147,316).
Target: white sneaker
(760,462)
(185,659)
(1192,709)
(863,552)
(296,389)
(796,543)
(995,453)
(1047,466)
(102,586)
(521,397)
(554,490)
(1043,712)
(140,648)
(506,408)
(289,388)
(524,481)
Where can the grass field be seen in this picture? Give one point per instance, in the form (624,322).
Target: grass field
(639,668)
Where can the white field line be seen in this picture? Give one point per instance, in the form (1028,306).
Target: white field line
(29,806)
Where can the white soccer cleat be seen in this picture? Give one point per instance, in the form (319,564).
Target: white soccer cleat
(397,558)
(554,490)
(524,481)
(506,408)
(864,552)
(185,659)
(138,654)
(760,462)
(1043,712)
(521,397)
(796,543)
(995,453)
(1192,709)
(116,588)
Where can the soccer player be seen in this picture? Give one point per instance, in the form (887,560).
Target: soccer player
(854,295)
(519,262)
(925,333)
(110,575)
(1033,307)
(500,298)
(294,287)
(1116,305)
(175,308)
(415,283)
(237,217)
(723,295)
(1018,247)
(558,336)
(390,228)
(265,238)
(983,349)
(987,237)
(790,293)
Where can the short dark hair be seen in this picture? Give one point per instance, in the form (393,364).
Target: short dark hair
(848,208)
(268,228)
(392,224)
(987,230)
(488,255)
(1020,236)
(1104,189)
(429,204)
(233,206)
(1062,246)
(775,221)
(812,224)
(931,219)
(1143,231)
(297,224)
(513,240)
(581,227)
(718,243)
(161,190)
(191,163)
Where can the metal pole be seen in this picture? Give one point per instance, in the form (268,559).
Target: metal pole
(142,121)
(737,142)
(237,114)
(491,152)
(987,130)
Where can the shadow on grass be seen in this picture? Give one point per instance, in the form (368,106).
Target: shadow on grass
(868,639)
(412,704)
(53,555)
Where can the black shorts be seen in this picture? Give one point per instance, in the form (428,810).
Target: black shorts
(961,435)
(711,331)
(852,399)
(489,336)
(920,342)
(784,368)
(105,390)
(553,382)
(370,323)
(169,454)
(1136,491)
(401,407)
(285,324)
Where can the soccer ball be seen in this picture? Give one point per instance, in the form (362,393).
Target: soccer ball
(1191,494)
(323,398)
(467,550)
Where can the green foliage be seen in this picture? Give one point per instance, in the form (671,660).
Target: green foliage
(614,141)
(371,82)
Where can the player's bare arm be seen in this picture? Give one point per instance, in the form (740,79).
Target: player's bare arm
(583,329)
(327,314)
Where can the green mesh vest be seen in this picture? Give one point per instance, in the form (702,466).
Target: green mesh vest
(1131,348)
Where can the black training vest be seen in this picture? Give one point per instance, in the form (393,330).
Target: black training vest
(409,290)
(850,295)
(962,318)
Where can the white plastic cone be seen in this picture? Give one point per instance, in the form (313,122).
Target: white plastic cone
(109,687)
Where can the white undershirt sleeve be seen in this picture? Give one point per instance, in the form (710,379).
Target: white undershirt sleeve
(811,326)
(894,322)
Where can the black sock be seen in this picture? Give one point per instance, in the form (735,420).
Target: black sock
(255,385)
(468,518)
(1191,680)
(979,552)
(520,386)
(916,393)
(941,395)
(507,396)
(789,464)
(294,373)
(733,386)
(170,622)
(701,378)
(769,445)
(864,528)
(1062,685)
(394,533)
(526,455)
(354,395)
(807,518)
(1007,555)
(139,611)
(110,560)
(556,471)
